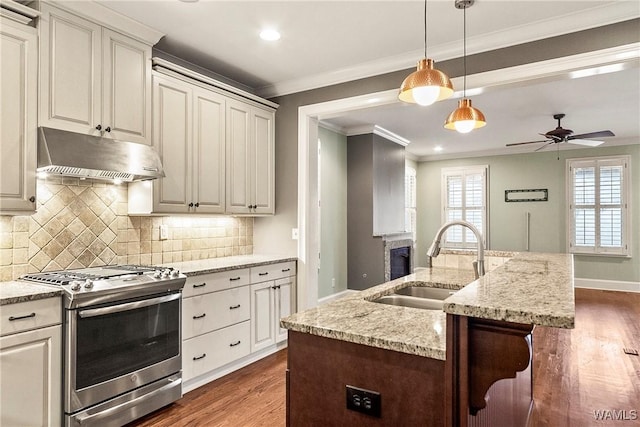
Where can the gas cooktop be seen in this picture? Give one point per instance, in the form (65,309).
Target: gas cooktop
(112,282)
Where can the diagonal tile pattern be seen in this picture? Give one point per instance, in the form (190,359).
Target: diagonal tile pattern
(84,224)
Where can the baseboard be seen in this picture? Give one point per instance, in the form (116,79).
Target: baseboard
(608,285)
(203,379)
(336,296)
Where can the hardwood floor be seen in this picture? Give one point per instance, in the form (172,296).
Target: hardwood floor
(252,396)
(576,371)
(582,370)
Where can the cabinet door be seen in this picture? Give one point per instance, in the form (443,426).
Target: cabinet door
(18,112)
(284,292)
(209,151)
(30,368)
(262,314)
(262,167)
(126,65)
(172,104)
(70,72)
(238,160)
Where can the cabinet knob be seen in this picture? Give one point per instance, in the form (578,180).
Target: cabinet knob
(197,204)
(108,129)
(99,127)
(191,204)
(32,199)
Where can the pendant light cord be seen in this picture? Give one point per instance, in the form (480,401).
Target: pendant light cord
(425,29)
(464,53)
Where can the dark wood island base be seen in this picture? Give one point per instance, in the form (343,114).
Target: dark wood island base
(319,369)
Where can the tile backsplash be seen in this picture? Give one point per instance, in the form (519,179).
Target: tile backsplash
(85,223)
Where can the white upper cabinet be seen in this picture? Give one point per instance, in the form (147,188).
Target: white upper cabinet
(250,159)
(18,111)
(93,80)
(188,132)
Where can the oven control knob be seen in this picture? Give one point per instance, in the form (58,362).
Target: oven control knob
(175,273)
(157,274)
(166,273)
(76,285)
(88,284)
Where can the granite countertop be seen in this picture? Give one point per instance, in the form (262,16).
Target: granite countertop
(215,265)
(530,288)
(14,292)
(17,291)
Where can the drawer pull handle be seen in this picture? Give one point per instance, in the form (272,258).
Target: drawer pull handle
(200,357)
(200,316)
(263,274)
(233,344)
(201,285)
(27,316)
(233,279)
(284,270)
(233,307)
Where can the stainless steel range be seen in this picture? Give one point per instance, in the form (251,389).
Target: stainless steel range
(122,355)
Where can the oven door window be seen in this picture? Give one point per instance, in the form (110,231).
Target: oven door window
(123,340)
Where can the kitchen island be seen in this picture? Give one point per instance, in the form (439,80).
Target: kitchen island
(430,367)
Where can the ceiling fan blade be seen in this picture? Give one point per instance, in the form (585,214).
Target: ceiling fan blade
(587,142)
(544,146)
(601,134)
(530,142)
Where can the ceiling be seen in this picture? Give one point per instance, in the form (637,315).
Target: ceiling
(328,42)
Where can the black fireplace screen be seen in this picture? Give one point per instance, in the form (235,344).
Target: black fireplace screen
(400,260)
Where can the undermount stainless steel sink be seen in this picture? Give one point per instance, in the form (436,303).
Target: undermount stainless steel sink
(424,292)
(409,301)
(417,297)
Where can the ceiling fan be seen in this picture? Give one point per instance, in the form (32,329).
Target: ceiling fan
(561,135)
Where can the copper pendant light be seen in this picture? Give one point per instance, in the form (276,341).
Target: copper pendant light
(426,85)
(465,118)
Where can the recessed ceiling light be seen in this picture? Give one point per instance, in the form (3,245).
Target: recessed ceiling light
(437,148)
(270,35)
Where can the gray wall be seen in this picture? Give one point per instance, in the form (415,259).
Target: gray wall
(388,187)
(375,206)
(548,219)
(333,218)
(365,252)
(273,234)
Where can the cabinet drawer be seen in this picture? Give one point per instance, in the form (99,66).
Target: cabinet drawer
(205,283)
(205,313)
(24,316)
(215,349)
(273,271)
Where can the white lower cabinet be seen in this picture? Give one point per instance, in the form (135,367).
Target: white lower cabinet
(31,364)
(229,316)
(270,301)
(207,352)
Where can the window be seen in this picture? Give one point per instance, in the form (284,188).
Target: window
(410,216)
(464,193)
(598,216)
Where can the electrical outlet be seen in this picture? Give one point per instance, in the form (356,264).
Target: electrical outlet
(333,283)
(164,232)
(294,233)
(364,401)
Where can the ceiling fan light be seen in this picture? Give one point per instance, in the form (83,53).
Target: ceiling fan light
(465,118)
(426,85)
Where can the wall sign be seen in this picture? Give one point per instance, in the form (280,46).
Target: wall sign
(537,195)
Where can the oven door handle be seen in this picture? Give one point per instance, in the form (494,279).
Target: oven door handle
(93,312)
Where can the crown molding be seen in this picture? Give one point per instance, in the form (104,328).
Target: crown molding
(556,26)
(101,14)
(380,131)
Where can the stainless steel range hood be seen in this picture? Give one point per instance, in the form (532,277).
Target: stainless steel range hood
(73,154)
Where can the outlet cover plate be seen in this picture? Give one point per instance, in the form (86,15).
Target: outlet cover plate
(164,232)
(364,401)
